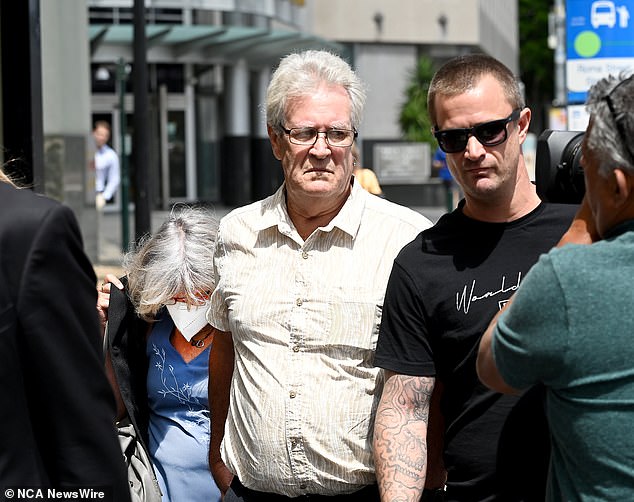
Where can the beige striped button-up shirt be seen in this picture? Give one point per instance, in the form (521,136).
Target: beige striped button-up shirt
(305,317)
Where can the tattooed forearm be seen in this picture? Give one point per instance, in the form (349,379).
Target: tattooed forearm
(400,437)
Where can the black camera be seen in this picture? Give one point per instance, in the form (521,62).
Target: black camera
(558,171)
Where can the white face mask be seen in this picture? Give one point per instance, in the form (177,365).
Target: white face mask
(189,322)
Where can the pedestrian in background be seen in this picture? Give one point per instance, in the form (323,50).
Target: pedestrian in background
(107,172)
(56,406)
(366,177)
(452,192)
(300,282)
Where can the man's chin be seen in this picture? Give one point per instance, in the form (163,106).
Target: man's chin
(482,187)
(322,188)
(319,189)
(322,182)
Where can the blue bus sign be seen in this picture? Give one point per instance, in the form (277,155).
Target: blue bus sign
(599,42)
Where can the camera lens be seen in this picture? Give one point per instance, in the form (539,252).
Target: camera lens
(558,171)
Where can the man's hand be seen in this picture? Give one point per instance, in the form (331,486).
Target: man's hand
(100,201)
(582,230)
(222,476)
(220,373)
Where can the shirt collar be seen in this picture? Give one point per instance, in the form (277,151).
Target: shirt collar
(348,219)
(619,228)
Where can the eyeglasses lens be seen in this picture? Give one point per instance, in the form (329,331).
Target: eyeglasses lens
(334,137)
(452,141)
(199,299)
(303,135)
(491,133)
(488,134)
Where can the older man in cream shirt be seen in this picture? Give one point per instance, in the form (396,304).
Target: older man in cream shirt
(301,277)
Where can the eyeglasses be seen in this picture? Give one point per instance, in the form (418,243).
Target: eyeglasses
(488,134)
(197,301)
(308,136)
(618,116)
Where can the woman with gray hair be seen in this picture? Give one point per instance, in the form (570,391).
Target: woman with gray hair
(159,343)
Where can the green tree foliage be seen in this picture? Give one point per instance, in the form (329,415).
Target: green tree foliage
(536,58)
(414,119)
(536,72)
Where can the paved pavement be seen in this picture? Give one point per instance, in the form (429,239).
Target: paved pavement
(110,234)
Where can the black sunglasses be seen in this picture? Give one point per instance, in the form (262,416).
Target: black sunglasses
(618,116)
(488,134)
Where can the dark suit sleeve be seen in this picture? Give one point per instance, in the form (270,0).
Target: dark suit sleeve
(69,392)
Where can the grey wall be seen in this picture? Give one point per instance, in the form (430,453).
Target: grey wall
(68,146)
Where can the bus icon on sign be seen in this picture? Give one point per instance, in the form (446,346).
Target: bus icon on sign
(603,13)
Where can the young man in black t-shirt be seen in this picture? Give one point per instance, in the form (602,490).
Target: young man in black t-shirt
(444,289)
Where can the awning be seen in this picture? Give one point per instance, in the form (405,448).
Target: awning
(203,44)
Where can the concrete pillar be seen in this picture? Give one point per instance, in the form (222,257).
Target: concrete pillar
(190,134)
(21,93)
(266,171)
(235,164)
(68,146)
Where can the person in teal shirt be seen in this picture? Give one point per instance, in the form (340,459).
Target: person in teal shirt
(570,324)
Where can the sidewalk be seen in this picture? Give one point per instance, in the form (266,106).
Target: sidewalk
(110,252)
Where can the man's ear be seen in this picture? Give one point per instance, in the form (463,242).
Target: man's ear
(276,142)
(623,186)
(523,123)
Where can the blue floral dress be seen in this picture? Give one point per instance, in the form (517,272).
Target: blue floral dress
(179,418)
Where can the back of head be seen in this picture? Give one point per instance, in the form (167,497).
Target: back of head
(609,138)
(301,74)
(176,260)
(462,73)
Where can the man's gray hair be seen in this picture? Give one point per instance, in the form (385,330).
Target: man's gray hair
(176,260)
(604,137)
(300,74)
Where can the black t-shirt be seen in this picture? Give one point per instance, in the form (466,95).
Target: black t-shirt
(445,287)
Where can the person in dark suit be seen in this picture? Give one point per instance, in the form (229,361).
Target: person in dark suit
(56,406)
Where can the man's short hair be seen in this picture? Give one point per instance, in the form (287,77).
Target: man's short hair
(462,73)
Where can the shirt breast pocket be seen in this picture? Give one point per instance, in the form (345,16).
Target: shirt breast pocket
(355,324)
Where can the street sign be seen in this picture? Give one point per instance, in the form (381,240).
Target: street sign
(599,42)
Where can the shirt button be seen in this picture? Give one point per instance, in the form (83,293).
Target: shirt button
(304,255)
(299,302)
(292,394)
(296,348)
(302,487)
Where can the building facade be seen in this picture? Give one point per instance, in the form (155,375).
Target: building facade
(210,61)
(384,41)
(69,63)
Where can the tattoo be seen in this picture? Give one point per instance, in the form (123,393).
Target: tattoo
(400,437)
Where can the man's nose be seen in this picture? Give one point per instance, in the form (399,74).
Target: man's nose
(474,148)
(321,146)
